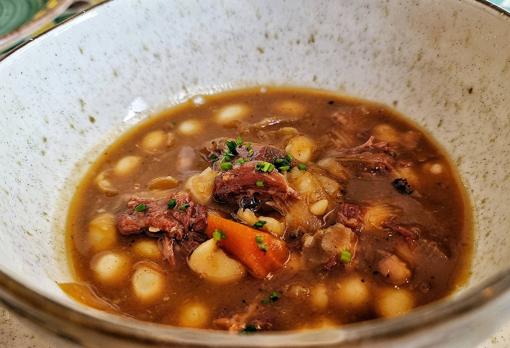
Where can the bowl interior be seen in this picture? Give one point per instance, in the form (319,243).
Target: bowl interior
(439,62)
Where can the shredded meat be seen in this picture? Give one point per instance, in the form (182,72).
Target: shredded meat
(183,223)
(242,180)
(373,156)
(351,215)
(409,232)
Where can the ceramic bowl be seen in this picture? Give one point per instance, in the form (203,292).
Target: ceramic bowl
(65,96)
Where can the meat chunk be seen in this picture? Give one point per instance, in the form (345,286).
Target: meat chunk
(247,181)
(325,246)
(214,150)
(177,220)
(350,215)
(374,157)
(146,214)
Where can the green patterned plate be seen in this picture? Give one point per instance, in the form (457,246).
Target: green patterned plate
(19,18)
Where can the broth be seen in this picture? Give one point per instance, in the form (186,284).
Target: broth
(269,209)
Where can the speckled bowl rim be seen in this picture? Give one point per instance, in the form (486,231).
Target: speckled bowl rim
(64,321)
(28,28)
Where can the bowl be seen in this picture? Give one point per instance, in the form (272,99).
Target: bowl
(65,96)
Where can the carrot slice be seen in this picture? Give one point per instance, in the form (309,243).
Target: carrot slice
(260,252)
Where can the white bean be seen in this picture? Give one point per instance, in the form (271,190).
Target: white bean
(319,296)
(127,165)
(154,141)
(289,107)
(163,183)
(194,315)
(148,284)
(272,226)
(190,127)
(110,267)
(214,265)
(104,184)
(102,232)
(385,132)
(201,186)
(434,168)
(352,293)
(301,148)
(229,114)
(394,269)
(247,216)
(393,302)
(147,248)
(334,168)
(319,208)
(330,186)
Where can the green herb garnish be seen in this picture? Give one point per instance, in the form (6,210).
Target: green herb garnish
(259,183)
(172,203)
(213,158)
(345,256)
(264,167)
(242,160)
(301,166)
(231,147)
(261,244)
(141,208)
(219,235)
(272,298)
(184,207)
(249,147)
(239,141)
(226,166)
(259,224)
(283,164)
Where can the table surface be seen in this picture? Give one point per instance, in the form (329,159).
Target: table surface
(16,335)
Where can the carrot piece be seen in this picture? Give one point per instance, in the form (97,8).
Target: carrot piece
(260,252)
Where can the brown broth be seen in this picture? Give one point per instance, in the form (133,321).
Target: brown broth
(438,206)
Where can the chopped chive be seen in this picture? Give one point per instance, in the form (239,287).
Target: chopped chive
(259,183)
(272,298)
(288,157)
(231,147)
(213,158)
(259,224)
(184,207)
(264,167)
(141,208)
(227,157)
(172,203)
(345,256)
(242,160)
(284,168)
(302,166)
(218,235)
(226,166)
(239,141)
(261,244)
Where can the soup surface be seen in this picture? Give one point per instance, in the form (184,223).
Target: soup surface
(269,209)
